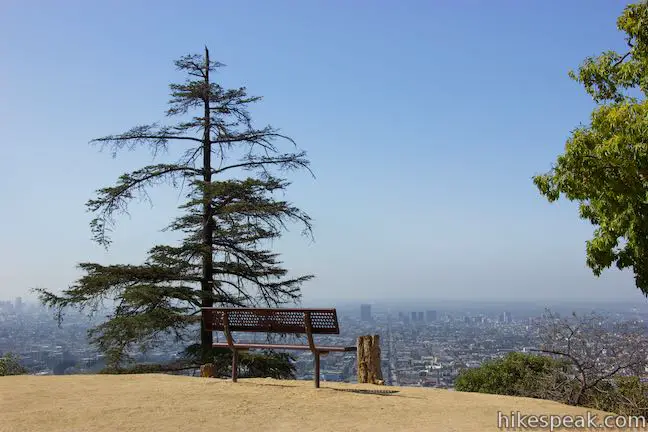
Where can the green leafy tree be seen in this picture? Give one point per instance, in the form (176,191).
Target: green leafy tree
(10,365)
(605,164)
(231,214)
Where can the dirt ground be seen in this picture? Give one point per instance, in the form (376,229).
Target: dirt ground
(163,403)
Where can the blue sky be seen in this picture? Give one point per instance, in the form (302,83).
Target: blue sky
(424,121)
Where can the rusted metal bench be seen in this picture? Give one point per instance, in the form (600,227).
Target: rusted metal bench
(298,321)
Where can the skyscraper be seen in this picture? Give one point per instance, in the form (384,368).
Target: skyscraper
(505,318)
(431,315)
(365,312)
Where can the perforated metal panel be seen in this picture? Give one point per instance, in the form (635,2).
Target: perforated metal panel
(323,321)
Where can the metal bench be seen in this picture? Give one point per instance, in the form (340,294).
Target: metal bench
(298,321)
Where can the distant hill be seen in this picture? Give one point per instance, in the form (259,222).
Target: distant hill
(165,403)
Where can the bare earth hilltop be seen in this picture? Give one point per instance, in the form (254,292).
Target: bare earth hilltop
(165,403)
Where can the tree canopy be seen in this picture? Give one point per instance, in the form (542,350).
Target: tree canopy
(233,210)
(605,164)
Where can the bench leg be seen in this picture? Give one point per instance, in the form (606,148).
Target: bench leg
(234,365)
(316,354)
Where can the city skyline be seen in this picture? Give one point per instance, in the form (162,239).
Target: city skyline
(414,352)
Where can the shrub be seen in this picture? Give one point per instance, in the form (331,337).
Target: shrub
(267,364)
(623,395)
(138,369)
(10,365)
(542,377)
(263,364)
(517,374)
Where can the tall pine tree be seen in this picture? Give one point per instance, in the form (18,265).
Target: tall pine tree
(231,213)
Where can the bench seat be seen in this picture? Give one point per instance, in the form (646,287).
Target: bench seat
(320,348)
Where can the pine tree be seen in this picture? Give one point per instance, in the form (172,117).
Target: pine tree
(231,214)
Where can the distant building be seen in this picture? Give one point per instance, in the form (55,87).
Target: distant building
(18,304)
(421,317)
(414,317)
(431,316)
(365,312)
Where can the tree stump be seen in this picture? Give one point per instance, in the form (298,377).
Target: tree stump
(369,360)
(207,370)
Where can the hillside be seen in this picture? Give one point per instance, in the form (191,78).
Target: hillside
(163,403)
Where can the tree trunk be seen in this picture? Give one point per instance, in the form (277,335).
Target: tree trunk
(207,370)
(207,280)
(369,360)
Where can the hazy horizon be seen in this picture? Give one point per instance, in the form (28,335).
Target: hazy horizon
(424,122)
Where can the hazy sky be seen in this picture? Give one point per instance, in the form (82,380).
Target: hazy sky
(424,121)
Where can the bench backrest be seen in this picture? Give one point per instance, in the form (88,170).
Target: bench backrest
(322,321)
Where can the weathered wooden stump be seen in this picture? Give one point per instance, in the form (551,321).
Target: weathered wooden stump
(207,370)
(369,370)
